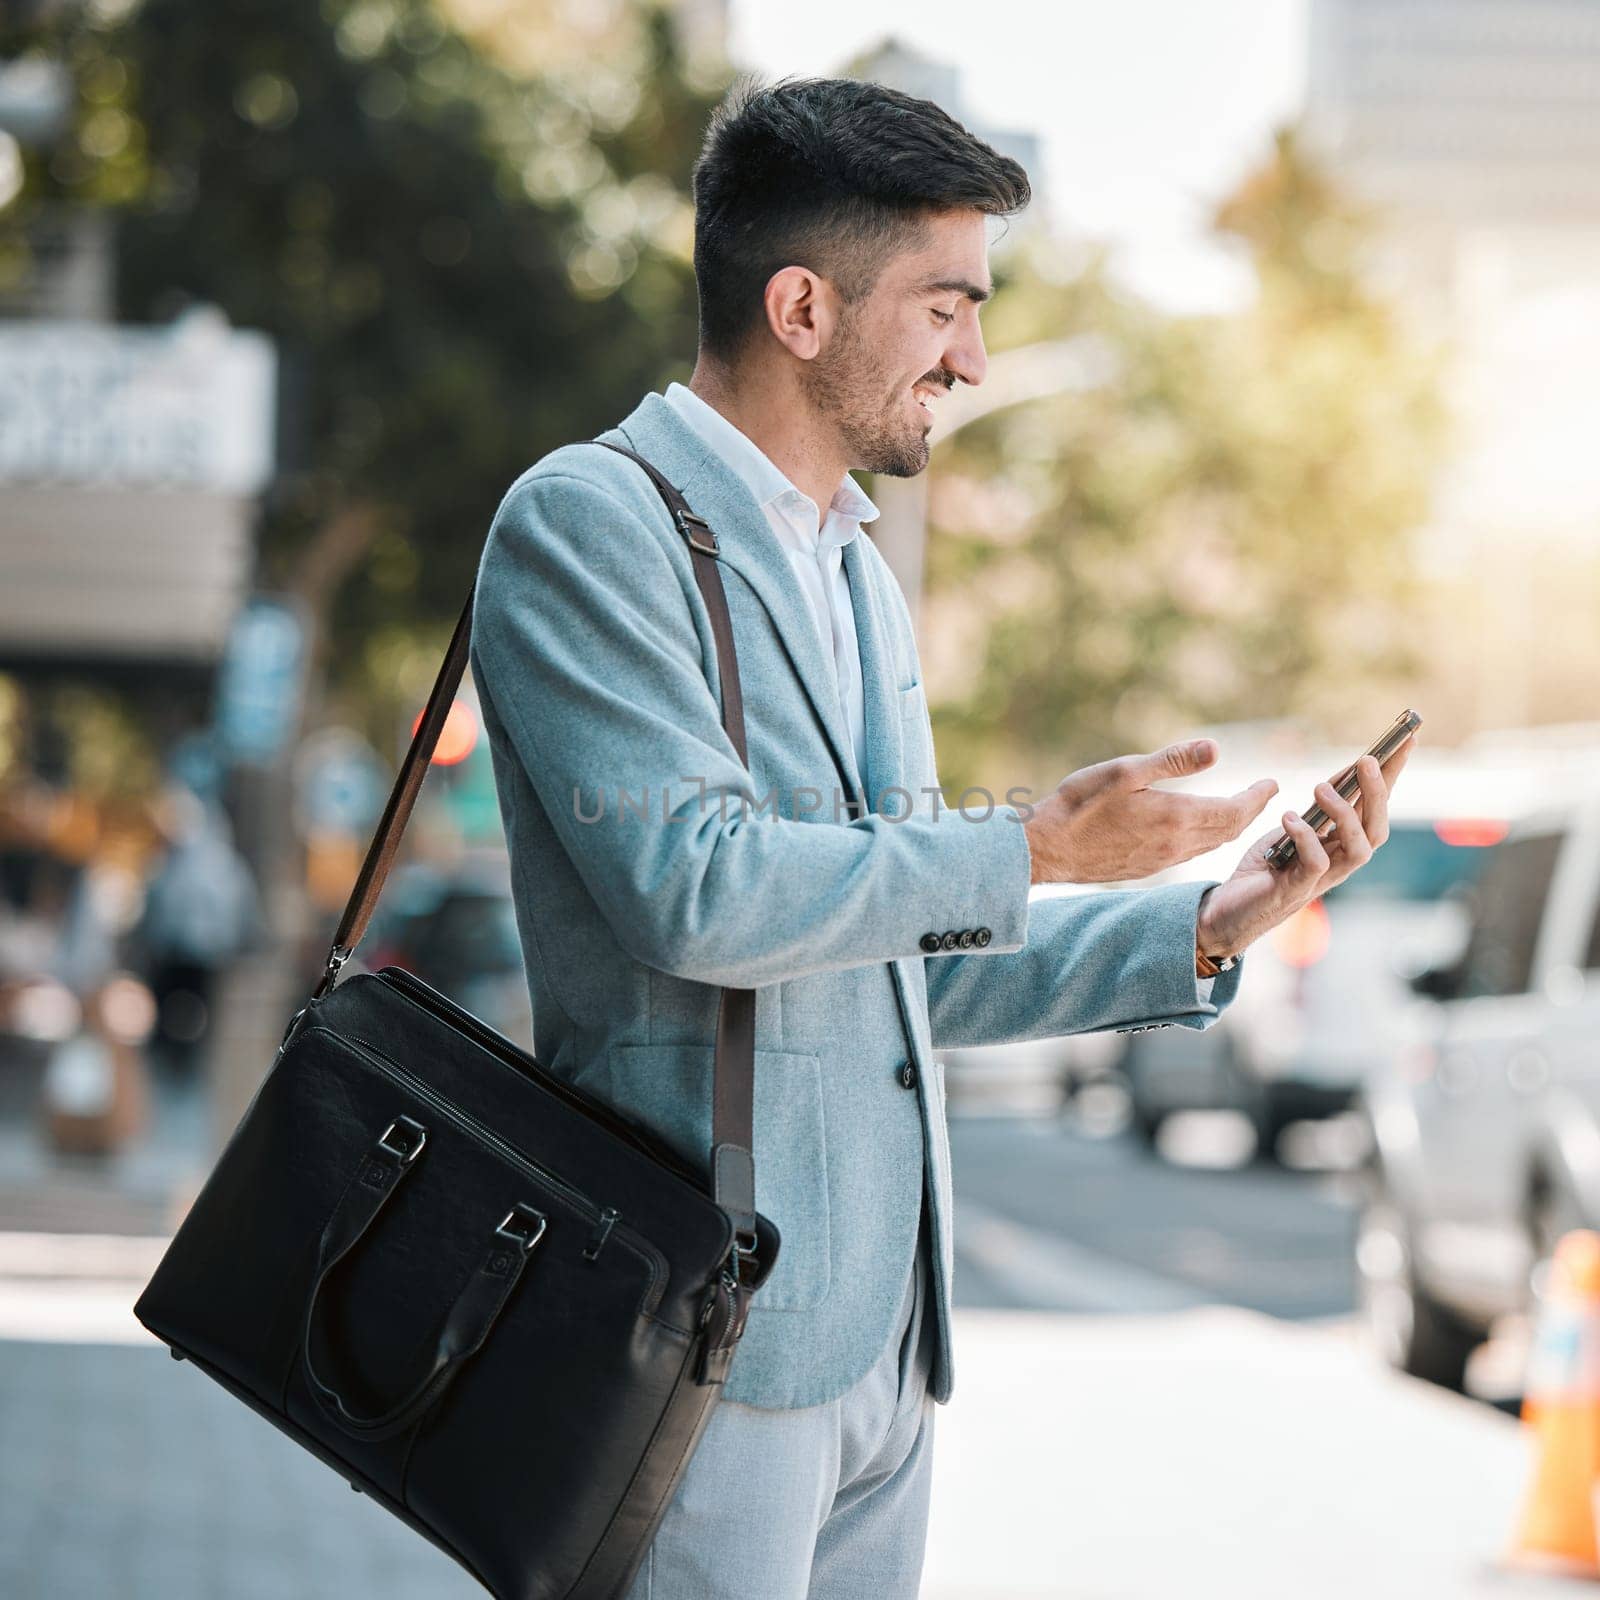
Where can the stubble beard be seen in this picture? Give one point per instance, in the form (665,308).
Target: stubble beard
(847,386)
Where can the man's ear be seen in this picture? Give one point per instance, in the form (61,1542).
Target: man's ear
(801,313)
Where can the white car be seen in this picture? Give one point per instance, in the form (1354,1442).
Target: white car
(1486,1119)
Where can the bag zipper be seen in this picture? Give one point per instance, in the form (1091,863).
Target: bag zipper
(428,1000)
(467,1124)
(602,1231)
(712,1347)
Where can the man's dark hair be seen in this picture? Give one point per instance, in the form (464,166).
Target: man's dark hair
(830,174)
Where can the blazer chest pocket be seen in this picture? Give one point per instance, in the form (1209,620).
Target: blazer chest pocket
(916,747)
(669,1087)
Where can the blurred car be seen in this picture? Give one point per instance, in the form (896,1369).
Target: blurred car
(457,931)
(1486,1122)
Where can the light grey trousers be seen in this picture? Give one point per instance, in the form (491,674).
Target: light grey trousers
(824,1502)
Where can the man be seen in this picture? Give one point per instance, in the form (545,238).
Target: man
(840,258)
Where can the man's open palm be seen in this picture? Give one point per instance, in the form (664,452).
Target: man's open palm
(1105,823)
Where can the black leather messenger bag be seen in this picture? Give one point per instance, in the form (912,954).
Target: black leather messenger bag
(496,1305)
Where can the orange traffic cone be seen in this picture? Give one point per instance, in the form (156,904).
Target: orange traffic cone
(1562,1406)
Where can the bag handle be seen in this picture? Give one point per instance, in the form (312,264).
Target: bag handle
(470,1319)
(733,1180)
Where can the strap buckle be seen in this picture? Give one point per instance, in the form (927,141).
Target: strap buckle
(690,525)
(406,1152)
(531,1230)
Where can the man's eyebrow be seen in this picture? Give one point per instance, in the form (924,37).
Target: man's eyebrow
(973,291)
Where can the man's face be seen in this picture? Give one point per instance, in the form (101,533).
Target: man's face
(893,353)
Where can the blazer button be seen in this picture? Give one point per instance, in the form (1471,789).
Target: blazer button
(981,937)
(930,943)
(968,937)
(908,1074)
(951,940)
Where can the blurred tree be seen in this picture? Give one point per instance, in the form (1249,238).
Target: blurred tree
(1217,533)
(464,224)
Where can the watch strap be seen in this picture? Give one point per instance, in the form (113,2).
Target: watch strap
(1206,967)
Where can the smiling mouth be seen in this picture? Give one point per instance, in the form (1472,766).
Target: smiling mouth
(925,400)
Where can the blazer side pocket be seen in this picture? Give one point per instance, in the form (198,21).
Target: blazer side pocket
(669,1087)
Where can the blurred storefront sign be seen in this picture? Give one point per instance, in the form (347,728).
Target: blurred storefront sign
(129,462)
(188,405)
(258,687)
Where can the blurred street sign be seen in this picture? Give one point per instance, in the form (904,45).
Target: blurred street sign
(339,783)
(130,458)
(258,686)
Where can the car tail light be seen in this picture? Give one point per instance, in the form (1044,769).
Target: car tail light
(1472,832)
(1302,941)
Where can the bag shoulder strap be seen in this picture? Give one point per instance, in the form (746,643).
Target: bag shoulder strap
(733,1087)
(733,1175)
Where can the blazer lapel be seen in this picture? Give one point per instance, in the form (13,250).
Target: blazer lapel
(749,547)
(879,693)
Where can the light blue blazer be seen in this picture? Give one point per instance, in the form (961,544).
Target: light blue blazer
(650,867)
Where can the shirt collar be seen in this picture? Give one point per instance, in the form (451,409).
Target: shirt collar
(765,480)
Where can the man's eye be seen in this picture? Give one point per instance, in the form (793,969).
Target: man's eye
(943,316)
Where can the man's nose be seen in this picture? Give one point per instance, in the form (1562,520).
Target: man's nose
(966,357)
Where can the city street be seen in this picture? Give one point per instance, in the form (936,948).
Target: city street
(1059,1222)
(1157,1385)
(1186,1405)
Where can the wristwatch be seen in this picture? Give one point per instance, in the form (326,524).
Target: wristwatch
(1205,967)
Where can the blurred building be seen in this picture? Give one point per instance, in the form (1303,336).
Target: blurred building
(1463,112)
(1473,126)
(897,66)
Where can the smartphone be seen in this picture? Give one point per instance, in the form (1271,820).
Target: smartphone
(1347,785)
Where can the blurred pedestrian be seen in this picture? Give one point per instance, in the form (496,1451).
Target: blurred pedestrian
(201,910)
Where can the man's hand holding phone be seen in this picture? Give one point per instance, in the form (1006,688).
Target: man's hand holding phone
(1260,895)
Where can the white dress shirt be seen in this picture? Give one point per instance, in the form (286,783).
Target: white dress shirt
(815,548)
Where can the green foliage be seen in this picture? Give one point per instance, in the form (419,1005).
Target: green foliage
(1218,532)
